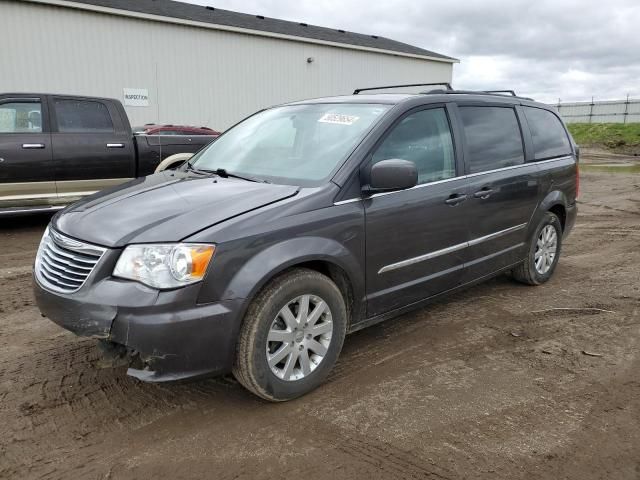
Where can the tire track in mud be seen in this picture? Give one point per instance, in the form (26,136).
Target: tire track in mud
(607,207)
(58,391)
(16,293)
(388,459)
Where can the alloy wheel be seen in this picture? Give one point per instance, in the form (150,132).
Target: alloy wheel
(546,248)
(299,337)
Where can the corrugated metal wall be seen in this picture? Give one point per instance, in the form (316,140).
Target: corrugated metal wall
(194,75)
(612,111)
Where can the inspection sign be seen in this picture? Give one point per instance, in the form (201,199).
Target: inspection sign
(136,97)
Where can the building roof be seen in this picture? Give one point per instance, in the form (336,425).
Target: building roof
(258,23)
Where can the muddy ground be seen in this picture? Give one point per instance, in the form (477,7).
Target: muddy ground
(491,383)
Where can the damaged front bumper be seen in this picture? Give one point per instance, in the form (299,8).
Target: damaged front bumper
(166,334)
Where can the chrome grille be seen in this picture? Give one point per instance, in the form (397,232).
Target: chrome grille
(63,264)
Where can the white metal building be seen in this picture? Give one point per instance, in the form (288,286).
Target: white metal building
(197,65)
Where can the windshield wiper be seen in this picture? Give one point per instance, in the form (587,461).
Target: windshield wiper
(221,172)
(191,168)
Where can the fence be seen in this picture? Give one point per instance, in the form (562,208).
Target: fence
(611,111)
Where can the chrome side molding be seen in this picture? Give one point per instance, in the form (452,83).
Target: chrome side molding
(422,258)
(451,249)
(24,210)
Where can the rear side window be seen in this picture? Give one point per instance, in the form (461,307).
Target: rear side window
(21,117)
(549,137)
(83,116)
(493,137)
(423,138)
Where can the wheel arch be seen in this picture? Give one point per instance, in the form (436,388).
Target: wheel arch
(173,160)
(555,202)
(337,274)
(561,212)
(323,255)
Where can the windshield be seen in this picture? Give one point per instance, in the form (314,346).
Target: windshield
(296,144)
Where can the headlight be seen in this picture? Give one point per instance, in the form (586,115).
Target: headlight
(164,265)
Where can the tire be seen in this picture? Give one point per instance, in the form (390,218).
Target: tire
(529,271)
(268,330)
(173,161)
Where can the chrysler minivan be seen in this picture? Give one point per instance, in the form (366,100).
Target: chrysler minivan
(305,222)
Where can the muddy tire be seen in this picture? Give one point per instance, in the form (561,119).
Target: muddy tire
(291,336)
(543,253)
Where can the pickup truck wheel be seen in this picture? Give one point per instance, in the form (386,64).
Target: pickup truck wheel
(543,253)
(173,161)
(291,336)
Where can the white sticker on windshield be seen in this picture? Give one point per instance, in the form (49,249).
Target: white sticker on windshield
(339,119)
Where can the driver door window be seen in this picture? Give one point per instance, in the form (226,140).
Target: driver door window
(423,138)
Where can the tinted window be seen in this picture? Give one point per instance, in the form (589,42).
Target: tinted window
(82,116)
(493,137)
(425,139)
(548,134)
(21,117)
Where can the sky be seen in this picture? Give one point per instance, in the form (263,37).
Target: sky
(570,50)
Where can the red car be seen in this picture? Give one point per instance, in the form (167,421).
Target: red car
(153,129)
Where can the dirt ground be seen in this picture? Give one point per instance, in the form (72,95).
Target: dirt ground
(491,383)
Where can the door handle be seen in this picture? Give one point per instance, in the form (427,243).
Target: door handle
(484,193)
(115,145)
(455,198)
(32,145)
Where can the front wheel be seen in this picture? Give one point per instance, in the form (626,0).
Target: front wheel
(291,336)
(543,253)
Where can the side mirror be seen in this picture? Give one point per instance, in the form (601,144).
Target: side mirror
(393,174)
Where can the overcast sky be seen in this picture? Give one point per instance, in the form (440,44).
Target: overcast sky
(568,49)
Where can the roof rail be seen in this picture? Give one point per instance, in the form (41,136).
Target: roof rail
(509,93)
(445,84)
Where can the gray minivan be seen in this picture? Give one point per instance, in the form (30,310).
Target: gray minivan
(305,222)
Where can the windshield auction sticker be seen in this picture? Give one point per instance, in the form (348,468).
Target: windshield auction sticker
(338,119)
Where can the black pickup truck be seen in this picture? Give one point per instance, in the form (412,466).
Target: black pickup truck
(55,149)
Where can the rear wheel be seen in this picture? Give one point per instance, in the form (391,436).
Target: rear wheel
(291,336)
(543,253)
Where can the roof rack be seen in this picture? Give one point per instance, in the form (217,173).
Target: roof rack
(446,90)
(509,93)
(445,84)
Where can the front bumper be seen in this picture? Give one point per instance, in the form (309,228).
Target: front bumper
(169,333)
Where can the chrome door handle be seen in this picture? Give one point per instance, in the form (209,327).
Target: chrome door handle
(32,145)
(455,199)
(115,145)
(484,193)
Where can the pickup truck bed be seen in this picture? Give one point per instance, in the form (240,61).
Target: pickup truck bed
(55,149)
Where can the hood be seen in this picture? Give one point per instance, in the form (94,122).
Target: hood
(165,207)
